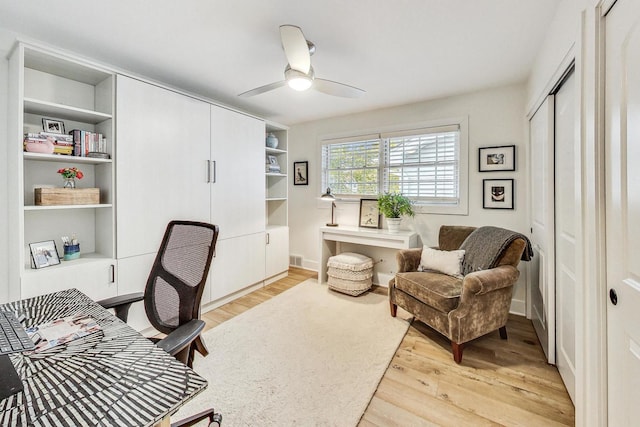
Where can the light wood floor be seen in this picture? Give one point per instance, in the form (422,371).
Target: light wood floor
(498,383)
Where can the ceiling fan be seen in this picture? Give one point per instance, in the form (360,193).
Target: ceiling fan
(299,74)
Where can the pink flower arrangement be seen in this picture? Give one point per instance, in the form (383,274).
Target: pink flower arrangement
(71,173)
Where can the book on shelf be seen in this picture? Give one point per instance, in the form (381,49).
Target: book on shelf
(86,142)
(62,331)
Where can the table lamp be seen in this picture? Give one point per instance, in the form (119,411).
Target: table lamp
(329,196)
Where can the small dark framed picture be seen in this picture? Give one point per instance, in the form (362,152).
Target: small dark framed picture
(502,158)
(53,126)
(497,193)
(369,213)
(300,173)
(44,254)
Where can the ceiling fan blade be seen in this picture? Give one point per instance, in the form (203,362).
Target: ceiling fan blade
(263,89)
(337,89)
(295,48)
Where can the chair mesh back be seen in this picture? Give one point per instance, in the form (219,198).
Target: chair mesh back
(175,285)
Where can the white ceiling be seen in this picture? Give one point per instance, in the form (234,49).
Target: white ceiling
(399,51)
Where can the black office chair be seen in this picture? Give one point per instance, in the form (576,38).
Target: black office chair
(174,288)
(173,292)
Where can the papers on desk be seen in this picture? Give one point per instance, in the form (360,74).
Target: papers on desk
(61,331)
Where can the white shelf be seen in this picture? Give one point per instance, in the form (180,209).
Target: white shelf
(275,150)
(64,159)
(60,111)
(85,258)
(59,207)
(276,199)
(276,174)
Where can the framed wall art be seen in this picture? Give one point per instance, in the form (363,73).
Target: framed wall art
(502,158)
(497,194)
(44,254)
(300,173)
(369,213)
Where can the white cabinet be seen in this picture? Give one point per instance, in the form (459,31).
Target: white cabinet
(239,262)
(95,278)
(277,250)
(162,163)
(133,273)
(47,85)
(237,202)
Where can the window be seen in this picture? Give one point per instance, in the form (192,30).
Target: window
(429,165)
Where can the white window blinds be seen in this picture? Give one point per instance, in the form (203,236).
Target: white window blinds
(423,164)
(352,168)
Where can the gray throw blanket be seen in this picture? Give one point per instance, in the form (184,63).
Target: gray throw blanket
(484,246)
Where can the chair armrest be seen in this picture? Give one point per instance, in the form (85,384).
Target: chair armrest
(182,337)
(484,281)
(121,304)
(408,259)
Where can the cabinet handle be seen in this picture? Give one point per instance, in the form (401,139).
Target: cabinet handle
(267,234)
(214,171)
(112,273)
(208,171)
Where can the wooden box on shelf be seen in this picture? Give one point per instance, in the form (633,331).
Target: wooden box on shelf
(67,196)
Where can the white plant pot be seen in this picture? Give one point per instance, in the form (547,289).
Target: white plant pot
(393,224)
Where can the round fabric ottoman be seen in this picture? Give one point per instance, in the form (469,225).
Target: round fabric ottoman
(350,273)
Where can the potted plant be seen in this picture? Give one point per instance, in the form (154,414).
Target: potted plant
(393,206)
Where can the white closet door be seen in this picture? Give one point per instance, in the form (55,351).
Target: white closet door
(567,225)
(542,227)
(163,148)
(622,142)
(238,193)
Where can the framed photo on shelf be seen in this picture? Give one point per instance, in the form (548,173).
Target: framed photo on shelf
(502,158)
(497,194)
(300,173)
(369,213)
(53,126)
(44,254)
(272,164)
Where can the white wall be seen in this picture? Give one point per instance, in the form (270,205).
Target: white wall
(496,117)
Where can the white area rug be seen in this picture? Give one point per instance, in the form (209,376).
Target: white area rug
(308,357)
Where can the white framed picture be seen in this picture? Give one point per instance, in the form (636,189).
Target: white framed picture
(44,254)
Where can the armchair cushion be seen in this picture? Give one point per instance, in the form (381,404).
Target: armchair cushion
(437,290)
(447,262)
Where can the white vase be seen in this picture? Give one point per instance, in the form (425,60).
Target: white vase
(393,224)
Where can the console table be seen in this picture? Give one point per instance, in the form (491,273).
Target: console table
(331,237)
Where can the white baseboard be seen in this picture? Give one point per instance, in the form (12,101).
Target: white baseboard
(518,307)
(222,301)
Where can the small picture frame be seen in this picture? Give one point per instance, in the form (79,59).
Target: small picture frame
(44,254)
(300,173)
(53,126)
(369,213)
(501,158)
(497,194)
(272,164)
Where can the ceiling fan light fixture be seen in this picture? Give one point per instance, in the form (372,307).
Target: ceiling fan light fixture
(297,80)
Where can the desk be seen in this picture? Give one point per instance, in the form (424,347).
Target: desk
(330,238)
(113,377)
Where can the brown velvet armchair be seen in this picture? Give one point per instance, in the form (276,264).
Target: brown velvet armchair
(461,309)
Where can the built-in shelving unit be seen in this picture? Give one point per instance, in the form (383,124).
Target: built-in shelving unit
(46,84)
(276,199)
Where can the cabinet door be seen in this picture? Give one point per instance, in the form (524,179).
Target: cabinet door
(239,263)
(133,273)
(96,279)
(237,202)
(277,254)
(163,149)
